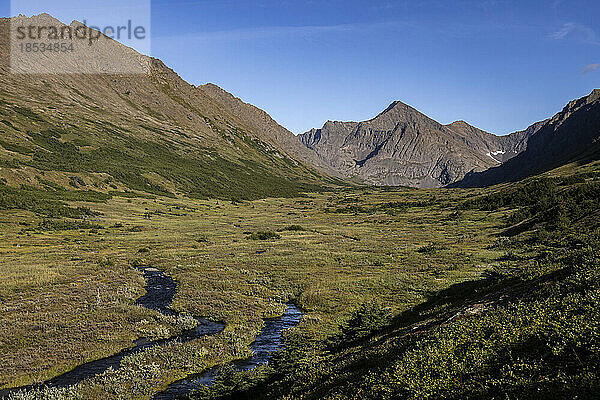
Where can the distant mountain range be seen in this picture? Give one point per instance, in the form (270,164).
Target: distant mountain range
(402,146)
(156,133)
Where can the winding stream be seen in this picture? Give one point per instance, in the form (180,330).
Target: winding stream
(262,348)
(160,290)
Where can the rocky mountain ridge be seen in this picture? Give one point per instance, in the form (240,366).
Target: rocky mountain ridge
(148,131)
(402,146)
(572,135)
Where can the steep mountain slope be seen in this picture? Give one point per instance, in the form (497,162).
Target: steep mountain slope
(571,135)
(402,146)
(267,127)
(506,147)
(149,131)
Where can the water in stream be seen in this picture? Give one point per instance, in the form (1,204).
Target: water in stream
(160,290)
(268,341)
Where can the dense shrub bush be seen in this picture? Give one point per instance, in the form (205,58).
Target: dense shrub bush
(538,193)
(266,235)
(367,319)
(50,203)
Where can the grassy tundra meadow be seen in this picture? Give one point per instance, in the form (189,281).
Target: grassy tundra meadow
(328,252)
(406,293)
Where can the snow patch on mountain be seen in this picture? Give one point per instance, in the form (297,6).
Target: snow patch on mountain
(495,153)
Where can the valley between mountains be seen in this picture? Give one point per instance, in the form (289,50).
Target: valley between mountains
(405,259)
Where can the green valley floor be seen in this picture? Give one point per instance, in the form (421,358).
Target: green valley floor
(394,283)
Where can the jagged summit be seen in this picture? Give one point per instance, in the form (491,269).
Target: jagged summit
(402,146)
(394,105)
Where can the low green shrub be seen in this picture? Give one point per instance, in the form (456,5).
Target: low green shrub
(293,228)
(431,248)
(67,225)
(266,235)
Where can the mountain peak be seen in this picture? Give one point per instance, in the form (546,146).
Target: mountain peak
(401,112)
(460,124)
(395,105)
(88,53)
(402,146)
(35,18)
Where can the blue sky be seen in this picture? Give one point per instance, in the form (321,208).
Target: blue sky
(499,65)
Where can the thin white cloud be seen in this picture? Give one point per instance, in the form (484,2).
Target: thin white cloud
(580,32)
(591,67)
(561,34)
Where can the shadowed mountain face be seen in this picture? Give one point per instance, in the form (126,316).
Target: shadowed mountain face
(148,131)
(401,146)
(571,135)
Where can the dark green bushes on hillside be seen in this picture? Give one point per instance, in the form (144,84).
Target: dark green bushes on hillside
(569,206)
(66,225)
(367,319)
(15,148)
(293,228)
(12,164)
(49,203)
(545,345)
(390,208)
(546,202)
(27,113)
(205,174)
(538,193)
(431,249)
